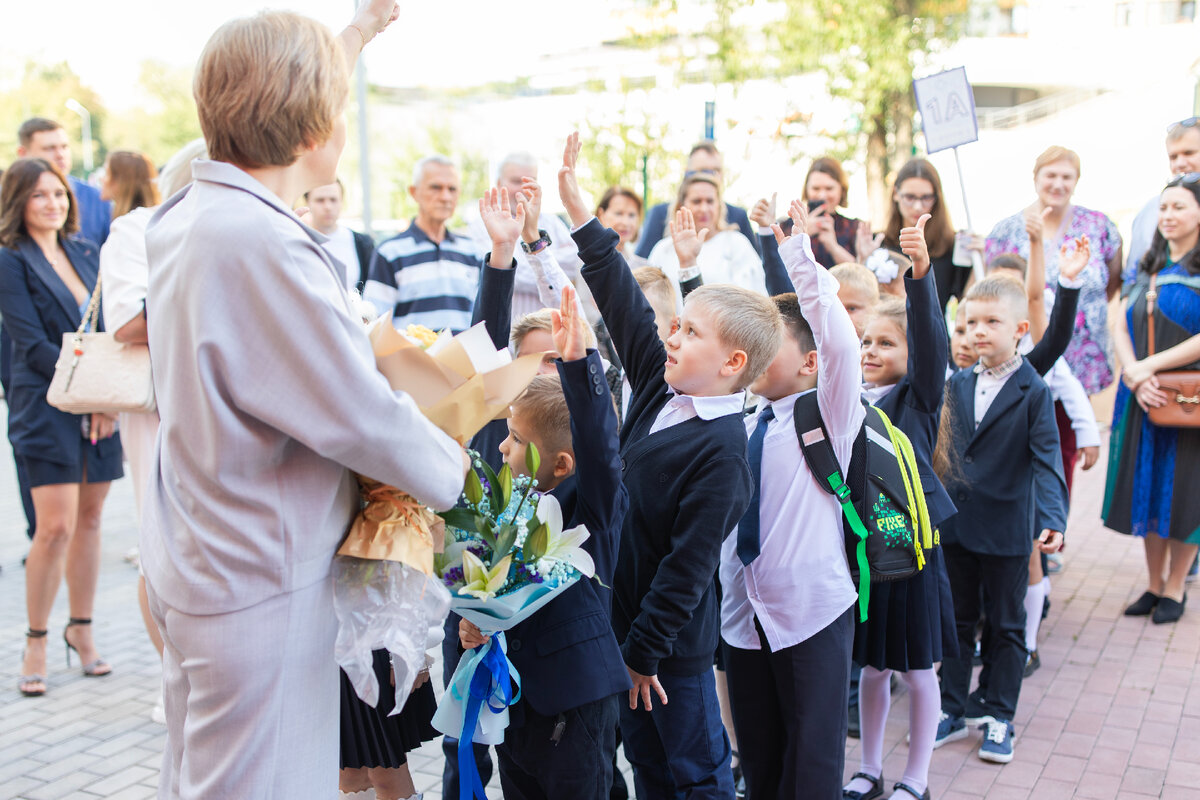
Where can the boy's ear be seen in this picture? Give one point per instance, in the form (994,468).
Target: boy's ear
(734,364)
(810,364)
(1022,328)
(564,463)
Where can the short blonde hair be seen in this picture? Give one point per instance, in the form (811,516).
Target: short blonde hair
(1005,289)
(177,172)
(1056,153)
(268,86)
(656,286)
(542,320)
(745,321)
(857,276)
(544,406)
(894,310)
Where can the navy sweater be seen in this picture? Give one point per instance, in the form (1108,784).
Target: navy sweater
(688,485)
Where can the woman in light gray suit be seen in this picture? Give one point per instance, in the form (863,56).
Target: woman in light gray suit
(269,398)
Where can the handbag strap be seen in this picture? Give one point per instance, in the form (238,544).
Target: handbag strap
(1151,296)
(91,315)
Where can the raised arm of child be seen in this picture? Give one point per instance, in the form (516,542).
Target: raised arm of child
(493,299)
(1035,272)
(840,383)
(626,311)
(602,497)
(1062,316)
(551,277)
(687,241)
(776,275)
(928,343)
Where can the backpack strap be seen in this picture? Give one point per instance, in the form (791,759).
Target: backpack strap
(822,462)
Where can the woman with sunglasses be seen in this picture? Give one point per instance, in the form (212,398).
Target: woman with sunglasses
(917,190)
(1143,497)
(1055,175)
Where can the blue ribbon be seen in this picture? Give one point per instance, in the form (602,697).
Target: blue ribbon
(491,678)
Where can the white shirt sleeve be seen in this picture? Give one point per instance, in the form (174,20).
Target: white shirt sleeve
(124,269)
(1067,389)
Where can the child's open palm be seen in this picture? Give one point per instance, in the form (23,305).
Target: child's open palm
(568,183)
(799,214)
(567,327)
(502,226)
(687,240)
(1073,257)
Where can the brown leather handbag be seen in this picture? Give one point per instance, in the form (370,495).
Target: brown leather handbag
(1182,386)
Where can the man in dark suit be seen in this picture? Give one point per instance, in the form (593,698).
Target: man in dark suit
(706,159)
(351,248)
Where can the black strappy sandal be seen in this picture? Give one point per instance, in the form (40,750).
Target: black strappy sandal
(874,792)
(93,669)
(26,683)
(904,787)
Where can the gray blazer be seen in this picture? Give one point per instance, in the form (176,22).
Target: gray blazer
(269,397)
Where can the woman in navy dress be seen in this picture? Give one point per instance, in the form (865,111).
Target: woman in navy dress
(46,279)
(1143,496)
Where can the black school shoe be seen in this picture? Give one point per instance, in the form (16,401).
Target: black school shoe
(876,790)
(1168,610)
(1144,605)
(904,787)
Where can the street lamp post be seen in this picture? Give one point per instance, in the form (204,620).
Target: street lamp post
(85,118)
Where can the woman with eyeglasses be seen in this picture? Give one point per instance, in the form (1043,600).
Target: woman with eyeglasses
(917,190)
(1055,175)
(1151,491)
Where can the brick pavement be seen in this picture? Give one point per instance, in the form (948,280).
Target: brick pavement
(1114,711)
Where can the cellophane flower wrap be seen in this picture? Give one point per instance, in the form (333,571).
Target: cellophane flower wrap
(385,592)
(506,556)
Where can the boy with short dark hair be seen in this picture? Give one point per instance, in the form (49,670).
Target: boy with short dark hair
(1010,483)
(683,451)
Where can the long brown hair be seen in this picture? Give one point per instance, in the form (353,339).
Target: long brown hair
(827,165)
(939,233)
(719,224)
(20,181)
(131,182)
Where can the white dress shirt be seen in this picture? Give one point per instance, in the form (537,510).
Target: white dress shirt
(800,583)
(682,407)
(525,284)
(726,257)
(989,383)
(341,247)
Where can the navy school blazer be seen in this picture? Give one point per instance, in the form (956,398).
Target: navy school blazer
(38,309)
(1012,482)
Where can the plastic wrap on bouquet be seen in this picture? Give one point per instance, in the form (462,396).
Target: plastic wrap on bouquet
(385,605)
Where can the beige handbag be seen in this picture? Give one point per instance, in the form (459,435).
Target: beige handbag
(96,374)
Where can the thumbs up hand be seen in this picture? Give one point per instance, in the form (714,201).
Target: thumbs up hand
(912,244)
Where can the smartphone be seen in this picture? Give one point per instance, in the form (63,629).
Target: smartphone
(813,205)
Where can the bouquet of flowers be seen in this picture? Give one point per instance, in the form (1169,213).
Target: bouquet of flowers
(506,556)
(385,592)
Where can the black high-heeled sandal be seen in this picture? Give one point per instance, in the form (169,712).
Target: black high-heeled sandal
(26,682)
(93,669)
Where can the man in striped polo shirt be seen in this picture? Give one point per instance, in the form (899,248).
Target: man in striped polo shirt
(428,275)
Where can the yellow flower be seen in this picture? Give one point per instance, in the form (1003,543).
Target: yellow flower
(481,581)
(422,335)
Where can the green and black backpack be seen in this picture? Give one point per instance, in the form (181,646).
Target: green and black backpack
(887,526)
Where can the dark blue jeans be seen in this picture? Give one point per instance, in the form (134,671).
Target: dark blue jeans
(679,750)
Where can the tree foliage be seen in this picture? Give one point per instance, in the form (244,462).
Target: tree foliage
(617,146)
(43,91)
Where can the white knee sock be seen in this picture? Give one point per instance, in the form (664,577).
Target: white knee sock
(874,701)
(1045,586)
(924,706)
(1034,595)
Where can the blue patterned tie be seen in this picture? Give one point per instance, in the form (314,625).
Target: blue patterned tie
(748,546)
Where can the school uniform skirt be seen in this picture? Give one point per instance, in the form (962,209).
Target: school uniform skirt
(910,623)
(370,738)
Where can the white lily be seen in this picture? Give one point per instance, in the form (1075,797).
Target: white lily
(564,545)
(480,581)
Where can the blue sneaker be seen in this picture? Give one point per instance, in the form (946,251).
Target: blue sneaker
(949,729)
(997,744)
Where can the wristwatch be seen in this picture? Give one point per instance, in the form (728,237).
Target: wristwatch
(540,244)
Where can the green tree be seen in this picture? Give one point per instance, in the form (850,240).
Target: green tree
(625,148)
(165,118)
(43,91)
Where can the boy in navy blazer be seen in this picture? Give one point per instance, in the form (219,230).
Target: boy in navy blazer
(562,737)
(683,453)
(1010,484)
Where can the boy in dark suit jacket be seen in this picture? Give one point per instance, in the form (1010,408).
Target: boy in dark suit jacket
(683,453)
(1011,484)
(563,733)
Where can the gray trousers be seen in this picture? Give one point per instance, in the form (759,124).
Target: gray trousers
(251,699)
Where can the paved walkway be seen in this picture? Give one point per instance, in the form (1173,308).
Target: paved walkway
(1114,711)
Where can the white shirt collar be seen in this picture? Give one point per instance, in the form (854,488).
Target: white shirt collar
(873,393)
(710,407)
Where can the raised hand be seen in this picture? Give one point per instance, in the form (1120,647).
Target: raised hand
(568,327)
(1074,256)
(530,197)
(799,214)
(1035,222)
(763,213)
(502,225)
(864,242)
(687,241)
(912,244)
(568,184)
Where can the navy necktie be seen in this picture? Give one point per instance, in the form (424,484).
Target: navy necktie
(748,545)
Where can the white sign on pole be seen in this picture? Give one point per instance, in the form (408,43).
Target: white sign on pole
(947,109)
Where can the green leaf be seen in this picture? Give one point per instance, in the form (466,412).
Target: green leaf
(473,489)
(505,479)
(488,533)
(537,543)
(466,519)
(506,537)
(494,483)
(532,460)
